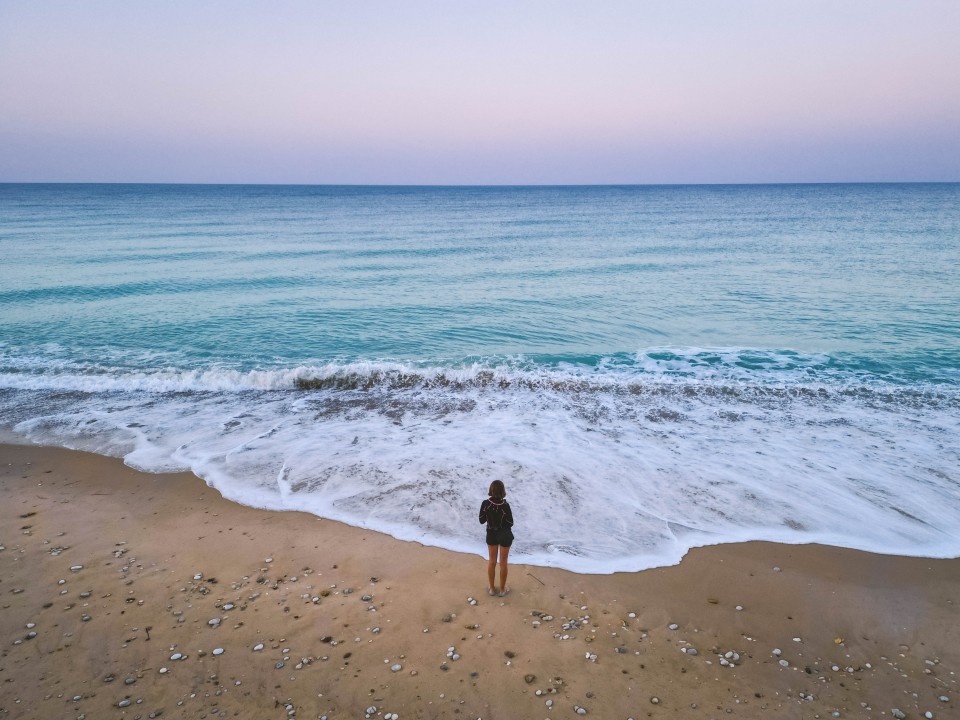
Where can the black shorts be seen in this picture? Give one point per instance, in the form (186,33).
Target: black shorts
(502,537)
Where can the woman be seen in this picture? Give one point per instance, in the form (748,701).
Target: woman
(496,513)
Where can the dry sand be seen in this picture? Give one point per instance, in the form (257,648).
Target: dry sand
(101,562)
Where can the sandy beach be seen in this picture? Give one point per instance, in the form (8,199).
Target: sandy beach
(131,595)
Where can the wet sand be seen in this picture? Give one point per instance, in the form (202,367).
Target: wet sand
(107,573)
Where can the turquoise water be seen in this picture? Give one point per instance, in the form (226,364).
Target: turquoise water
(655,367)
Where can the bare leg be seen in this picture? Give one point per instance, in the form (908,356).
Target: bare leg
(492,567)
(504,552)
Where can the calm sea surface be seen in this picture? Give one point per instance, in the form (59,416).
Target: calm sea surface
(647,368)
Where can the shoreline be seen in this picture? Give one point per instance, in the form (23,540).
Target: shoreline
(141,539)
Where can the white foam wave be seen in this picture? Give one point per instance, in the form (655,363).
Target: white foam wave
(658,366)
(601,478)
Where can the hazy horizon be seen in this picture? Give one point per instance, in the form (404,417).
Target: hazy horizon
(428,93)
(479,185)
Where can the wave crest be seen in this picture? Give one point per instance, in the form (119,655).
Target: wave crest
(705,373)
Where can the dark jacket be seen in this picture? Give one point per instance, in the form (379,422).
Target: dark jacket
(502,504)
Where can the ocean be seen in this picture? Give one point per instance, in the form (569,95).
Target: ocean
(647,368)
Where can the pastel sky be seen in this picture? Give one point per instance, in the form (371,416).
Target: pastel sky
(453,92)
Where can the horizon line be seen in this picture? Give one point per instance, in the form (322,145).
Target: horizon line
(479,185)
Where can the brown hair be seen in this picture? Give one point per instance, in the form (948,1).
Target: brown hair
(497,490)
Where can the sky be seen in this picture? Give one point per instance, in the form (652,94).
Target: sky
(494,92)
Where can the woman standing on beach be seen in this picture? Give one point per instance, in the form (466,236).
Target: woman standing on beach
(496,513)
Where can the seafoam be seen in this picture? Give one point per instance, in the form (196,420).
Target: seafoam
(613,464)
